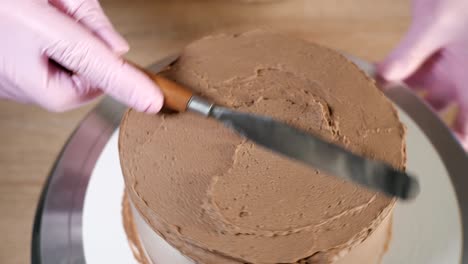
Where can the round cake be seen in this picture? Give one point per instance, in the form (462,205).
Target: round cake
(218,198)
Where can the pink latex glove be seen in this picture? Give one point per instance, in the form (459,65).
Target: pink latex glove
(60,54)
(434,56)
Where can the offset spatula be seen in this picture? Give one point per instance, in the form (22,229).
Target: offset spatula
(293,143)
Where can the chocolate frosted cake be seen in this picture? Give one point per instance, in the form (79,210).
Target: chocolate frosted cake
(218,198)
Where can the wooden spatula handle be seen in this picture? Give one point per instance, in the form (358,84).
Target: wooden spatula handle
(176,96)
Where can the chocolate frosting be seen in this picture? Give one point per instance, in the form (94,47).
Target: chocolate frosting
(219,198)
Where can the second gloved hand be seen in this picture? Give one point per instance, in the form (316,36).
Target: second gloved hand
(433,56)
(60,54)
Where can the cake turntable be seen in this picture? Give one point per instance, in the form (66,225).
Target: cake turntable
(75,223)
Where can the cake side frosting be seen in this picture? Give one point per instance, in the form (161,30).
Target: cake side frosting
(221,199)
(156,250)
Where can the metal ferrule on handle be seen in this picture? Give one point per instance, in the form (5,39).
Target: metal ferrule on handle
(200,106)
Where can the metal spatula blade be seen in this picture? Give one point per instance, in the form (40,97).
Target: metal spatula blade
(322,155)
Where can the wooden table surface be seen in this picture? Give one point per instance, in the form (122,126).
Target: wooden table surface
(31,138)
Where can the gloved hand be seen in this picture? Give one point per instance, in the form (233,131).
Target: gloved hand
(60,54)
(434,56)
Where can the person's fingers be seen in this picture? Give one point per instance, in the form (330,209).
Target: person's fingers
(64,91)
(434,79)
(463,139)
(415,48)
(80,52)
(90,14)
(4,94)
(437,102)
(425,36)
(461,123)
(464,142)
(9,91)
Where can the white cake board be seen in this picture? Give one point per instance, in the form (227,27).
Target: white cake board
(425,231)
